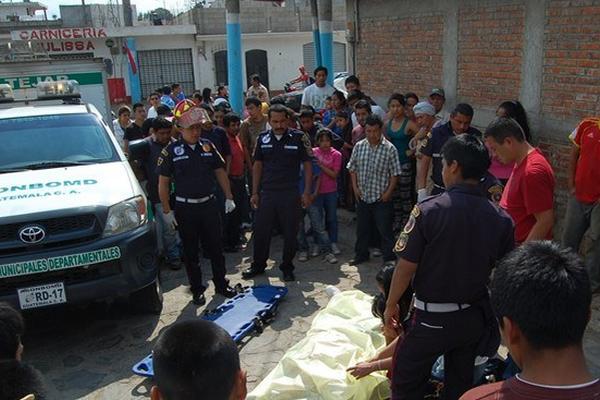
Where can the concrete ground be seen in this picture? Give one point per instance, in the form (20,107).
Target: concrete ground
(87,352)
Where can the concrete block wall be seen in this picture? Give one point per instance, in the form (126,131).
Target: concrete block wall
(260,17)
(546,53)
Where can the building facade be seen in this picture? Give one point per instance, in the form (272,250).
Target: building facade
(545,53)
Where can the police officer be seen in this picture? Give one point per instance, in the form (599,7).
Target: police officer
(193,163)
(275,196)
(448,249)
(431,148)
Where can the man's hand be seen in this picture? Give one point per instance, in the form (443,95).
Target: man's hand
(391,316)
(169,219)
(254,200)
(357,194)
(362,369)
(385,197)
(306,200)
(229,206)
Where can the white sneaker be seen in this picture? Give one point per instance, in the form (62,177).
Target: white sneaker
(335,249)
(315,251)
(302,256)
(330,258)
(376,252)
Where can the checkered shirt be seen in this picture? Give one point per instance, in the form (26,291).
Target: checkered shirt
(374,166)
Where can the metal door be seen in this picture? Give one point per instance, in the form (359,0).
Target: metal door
(339,57)
(221,69)
(257,63)
(158,68)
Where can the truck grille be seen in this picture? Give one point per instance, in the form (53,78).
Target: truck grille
(53,226)
(69,276)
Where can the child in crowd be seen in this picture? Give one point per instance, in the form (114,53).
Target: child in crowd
(330,164)
(343,128)
(384,360)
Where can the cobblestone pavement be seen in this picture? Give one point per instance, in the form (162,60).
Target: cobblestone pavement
(87,352)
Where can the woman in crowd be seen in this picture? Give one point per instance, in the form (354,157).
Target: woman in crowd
(400,130)
(338,103)
(411,100)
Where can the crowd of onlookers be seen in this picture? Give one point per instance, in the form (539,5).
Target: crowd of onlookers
(378,163)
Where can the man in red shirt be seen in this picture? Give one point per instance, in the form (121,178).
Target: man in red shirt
(529,194)
(541,296)
(237,181)
(583,209)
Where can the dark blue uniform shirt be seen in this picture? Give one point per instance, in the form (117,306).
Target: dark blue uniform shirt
(433,148)
(192,170)
(149,160)
(456,238)
(281,159)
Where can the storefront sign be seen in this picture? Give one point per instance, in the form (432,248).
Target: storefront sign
(66,46)
(59,34)
(26,82)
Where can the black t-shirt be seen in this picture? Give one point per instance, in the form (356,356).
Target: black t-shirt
(146,126)
(134,132)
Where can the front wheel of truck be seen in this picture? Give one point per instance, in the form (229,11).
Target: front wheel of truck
(148,300)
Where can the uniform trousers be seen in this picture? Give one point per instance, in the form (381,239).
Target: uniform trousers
(454,335)
(201,222)
(282,207)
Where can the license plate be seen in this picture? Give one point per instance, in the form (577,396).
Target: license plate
(42,296)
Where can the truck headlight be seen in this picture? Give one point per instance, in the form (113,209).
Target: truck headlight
(125,216)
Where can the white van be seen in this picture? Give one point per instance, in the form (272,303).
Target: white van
(73,219)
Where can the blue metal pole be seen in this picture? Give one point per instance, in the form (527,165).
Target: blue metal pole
(316,34)
(135,87)
(234,55)
(326,33)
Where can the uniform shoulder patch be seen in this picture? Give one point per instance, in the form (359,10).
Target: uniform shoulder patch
(306,143)
(416,211)
(401,242)
(495,193)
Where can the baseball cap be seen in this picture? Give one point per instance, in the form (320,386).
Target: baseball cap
(438,91)
(187,114)
(424,107)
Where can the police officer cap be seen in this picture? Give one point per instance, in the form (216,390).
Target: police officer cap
(424,107)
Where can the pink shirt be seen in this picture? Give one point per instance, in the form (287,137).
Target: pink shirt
(499,170)
(331,159)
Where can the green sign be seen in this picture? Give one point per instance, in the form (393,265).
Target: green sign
(59,263)
(28,82)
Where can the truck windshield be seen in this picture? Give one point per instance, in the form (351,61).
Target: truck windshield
(52,141)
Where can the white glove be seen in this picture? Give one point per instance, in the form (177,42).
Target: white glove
(421,195)
(229,206)
(169,219)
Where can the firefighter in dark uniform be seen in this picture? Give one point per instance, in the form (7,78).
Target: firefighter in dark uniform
(278,154)
(448,249)
(431,150)
(195,165)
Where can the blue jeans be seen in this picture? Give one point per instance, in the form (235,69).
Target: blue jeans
(371,218)
(317,225)
(168,239)
(327,202)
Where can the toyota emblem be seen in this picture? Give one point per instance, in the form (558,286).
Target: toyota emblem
(32,234)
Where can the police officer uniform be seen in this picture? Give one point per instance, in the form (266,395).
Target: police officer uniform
(455,239)
(279,197)
(196,210)
(432,147)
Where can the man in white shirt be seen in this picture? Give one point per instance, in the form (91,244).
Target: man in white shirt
(315,94)
(154,100)
(257,89)
(437,98)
